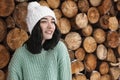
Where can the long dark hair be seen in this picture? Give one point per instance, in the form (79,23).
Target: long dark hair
(34,43)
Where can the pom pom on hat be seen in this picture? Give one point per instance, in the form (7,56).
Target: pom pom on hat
(35,13)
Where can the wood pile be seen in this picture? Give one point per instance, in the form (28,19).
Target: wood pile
(90,30)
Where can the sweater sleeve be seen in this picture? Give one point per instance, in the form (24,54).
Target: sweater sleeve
(14,69)
(64,65)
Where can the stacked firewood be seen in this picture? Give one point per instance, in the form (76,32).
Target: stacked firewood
(90,29)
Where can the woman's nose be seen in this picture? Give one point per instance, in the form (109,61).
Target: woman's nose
(49,25)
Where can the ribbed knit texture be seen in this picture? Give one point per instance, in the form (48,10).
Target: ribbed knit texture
(48,65)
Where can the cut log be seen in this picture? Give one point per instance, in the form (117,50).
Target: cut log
(81,20)
(111,56)
(10,22)
(118,5)
(104,20)
(20,14)
(105,7)
(71,55)
(53,3)
(95,2)
(101,52)
(58,13)
(99,35)
(93,15)
(95,75)
(106,77)
(118,50)
(16,37)
(77,66)
(79,76)
(89,44)
(3,29)
(4,56)
(83,5)
(80,54)
(113,39)
(104,68)
(115,72)
(2,75)
(69,8)
(64,25)
(6,7)
(90,62)
(113,23)
(43,3)
(73,40)
(87,31)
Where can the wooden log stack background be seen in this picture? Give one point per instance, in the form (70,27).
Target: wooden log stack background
(90,29)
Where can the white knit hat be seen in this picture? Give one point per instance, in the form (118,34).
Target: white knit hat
(35,13)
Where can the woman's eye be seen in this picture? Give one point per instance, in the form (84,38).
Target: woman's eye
(52,21)
(43,21)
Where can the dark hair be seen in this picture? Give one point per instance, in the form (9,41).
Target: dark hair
(34,43)
(31,0)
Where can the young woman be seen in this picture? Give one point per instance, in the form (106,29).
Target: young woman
(43,56)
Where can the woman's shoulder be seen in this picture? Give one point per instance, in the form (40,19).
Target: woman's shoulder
(61,44)
(19,50)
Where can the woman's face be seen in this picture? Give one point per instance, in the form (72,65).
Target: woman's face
(48,27)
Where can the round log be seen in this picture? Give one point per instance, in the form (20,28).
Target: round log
(104,21)
(83,5)
(80,77)
(53,3)
(93,15)
(99,35)
(3,29)
(4,56)
(101,52)
(105,77)
(95,75)
(43,3)
(64,25)
(113,23)
(80,54)
(2,75)
(10,22)
(89,44)
(77,66)
(118,50)
(6,7)
(118,5)
(115,72)
(104,68)
(87,31)
(90,62)
(16,37)
(73,40)
(105,7)
(71,55)
(113,39)
(111,56)
(69,8)
(81,20)
(19,15)
(58,13)
(95,2)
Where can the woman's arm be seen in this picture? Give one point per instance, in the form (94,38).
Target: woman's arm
(64,64)
(14,68)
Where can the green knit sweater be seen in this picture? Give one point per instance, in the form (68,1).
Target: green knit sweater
(48,65)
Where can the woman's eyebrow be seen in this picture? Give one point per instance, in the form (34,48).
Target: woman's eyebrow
(46,18)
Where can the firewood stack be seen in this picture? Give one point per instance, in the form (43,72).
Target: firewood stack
(90,29)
